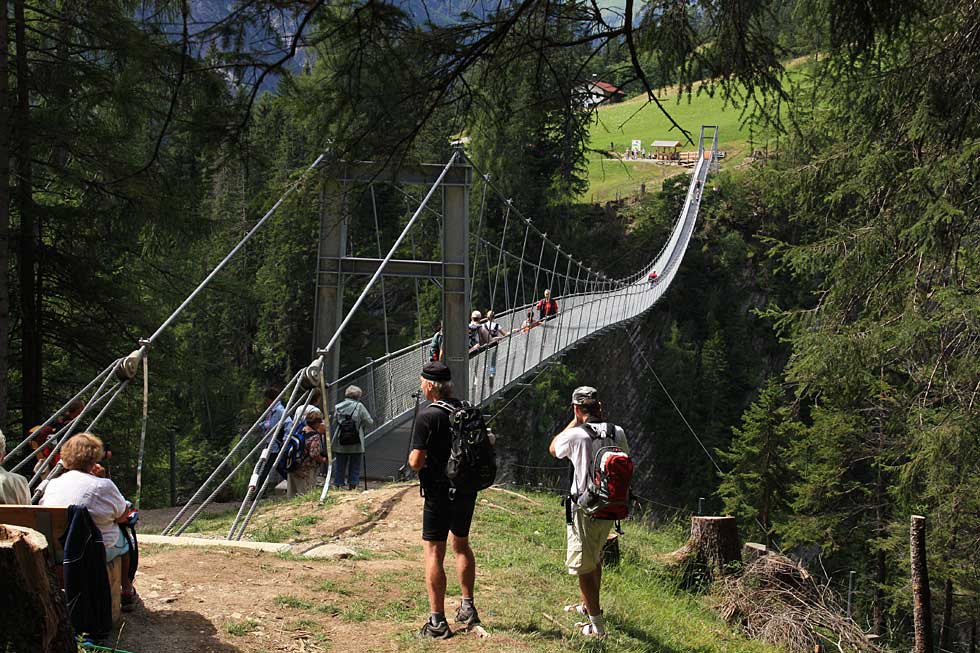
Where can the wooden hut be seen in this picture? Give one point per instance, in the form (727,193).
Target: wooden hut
(665,150)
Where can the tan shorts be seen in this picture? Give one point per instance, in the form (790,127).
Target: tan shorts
(586,537)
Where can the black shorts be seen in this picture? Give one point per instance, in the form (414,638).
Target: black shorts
(440,515)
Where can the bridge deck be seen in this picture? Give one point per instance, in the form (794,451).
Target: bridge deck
(390,382)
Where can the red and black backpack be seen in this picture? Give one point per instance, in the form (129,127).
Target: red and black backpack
(607,494)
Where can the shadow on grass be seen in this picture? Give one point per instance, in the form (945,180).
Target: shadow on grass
(531,628)
(649,641)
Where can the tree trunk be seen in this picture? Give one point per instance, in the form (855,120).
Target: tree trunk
(973,636)
(29,235)
(921,602)
(31,601)
(714,540)
(878,625)
(5,121)
(946,630)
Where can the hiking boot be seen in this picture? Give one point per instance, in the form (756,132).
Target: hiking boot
(467,615)
(439,631)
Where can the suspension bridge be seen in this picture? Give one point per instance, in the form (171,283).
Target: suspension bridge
(589,304)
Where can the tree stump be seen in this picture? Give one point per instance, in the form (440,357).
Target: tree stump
(710,551)
(31,602)
(716,541)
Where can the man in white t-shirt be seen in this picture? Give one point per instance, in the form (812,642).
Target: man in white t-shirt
(586,536)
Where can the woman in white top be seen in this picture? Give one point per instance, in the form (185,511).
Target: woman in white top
(81,485)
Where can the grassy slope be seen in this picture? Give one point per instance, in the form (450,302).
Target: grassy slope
(636,119)
(520,550)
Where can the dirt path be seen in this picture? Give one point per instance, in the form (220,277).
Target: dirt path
(225,600)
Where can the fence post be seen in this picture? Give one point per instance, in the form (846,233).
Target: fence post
(921,602)
(173,468)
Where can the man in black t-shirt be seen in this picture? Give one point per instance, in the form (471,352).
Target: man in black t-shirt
(445,510)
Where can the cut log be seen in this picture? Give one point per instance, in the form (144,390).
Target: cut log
(610,550)
(752,551)
(31,603)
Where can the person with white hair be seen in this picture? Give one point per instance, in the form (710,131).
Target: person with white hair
(13,487)
(477,331)
(350,419)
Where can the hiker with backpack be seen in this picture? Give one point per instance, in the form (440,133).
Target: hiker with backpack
(350,418)
(598,497)
(435,344)
(477,333)
(303,453)
(452,451)
(269,424)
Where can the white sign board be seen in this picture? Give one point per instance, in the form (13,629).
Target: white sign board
(637,145)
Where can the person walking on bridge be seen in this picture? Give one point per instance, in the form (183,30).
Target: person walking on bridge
(350,418)
(445,511)
(586,535)
(547,307)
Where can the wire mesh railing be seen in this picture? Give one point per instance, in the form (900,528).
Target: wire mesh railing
(585,310)
(389,382)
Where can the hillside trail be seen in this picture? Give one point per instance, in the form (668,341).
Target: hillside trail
(229,600)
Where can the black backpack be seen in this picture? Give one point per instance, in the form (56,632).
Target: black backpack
(472,464)
(295,453)
(345,428)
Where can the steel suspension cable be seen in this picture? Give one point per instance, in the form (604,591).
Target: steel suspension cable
(479,232)
(520,268)
(649,367)
(391,253)
(61,411)
(377,236)
(59,466)
(66,432)
(260,490)
(261,420)
(263,462)
(220,266)
(503,235)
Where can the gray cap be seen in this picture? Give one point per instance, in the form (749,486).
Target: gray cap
(584,394)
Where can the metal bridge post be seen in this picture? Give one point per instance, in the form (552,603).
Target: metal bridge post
(330,280)
(456,290)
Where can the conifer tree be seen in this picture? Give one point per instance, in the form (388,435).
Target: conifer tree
(754,487)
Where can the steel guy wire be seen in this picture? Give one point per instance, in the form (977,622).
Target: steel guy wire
(61,411)
(227,459)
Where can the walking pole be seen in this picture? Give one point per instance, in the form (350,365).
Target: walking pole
(364,473)
(402,473)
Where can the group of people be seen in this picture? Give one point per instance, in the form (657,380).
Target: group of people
(306,428)
(484,330)
(83,484)
(448,512)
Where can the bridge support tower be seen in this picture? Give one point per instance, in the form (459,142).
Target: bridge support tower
(452,273)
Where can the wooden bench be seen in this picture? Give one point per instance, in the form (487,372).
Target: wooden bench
(52,522)
(49,521)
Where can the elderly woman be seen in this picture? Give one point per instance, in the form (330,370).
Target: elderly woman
(81,485)
(351,418)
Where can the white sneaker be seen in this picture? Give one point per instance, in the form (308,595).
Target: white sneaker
(589,629)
